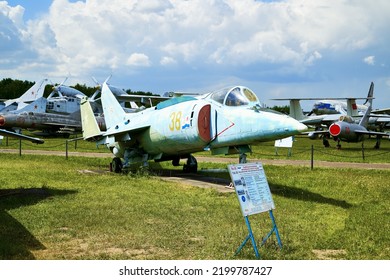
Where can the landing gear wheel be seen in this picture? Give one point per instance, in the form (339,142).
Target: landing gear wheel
(242,158)
(325,142)
(176,162)
(116,165)
(191,166)
(378,143)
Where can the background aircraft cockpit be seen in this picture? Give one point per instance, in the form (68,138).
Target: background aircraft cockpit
(236,96)
(345,118)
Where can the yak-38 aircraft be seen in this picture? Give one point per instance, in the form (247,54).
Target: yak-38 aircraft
(227,121)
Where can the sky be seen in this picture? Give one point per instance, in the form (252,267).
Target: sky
(279,49)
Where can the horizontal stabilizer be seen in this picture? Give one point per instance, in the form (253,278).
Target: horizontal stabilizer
(21,136)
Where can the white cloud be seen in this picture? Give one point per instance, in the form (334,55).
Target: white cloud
(166,60)
(247,40)
(11,27)
(224,32)
(370,60)
(138,59)
(313,57)
(15,14)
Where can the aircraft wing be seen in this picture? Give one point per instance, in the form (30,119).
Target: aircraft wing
(383,116)
(381,111)
(317,120)
(135,97)
(21,136)
(169,95)
(128,131)
(62,124)
(181,93)
(315,132)
(374,133)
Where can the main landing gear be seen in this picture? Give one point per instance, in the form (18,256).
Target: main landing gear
(191,166)
(116,165)
(242,158)
(378,142)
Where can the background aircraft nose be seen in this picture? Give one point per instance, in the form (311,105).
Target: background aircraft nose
(334,129)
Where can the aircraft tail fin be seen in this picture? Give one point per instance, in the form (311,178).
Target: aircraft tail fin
(296,110)
(370,96)
(89,124)
(352,108)
(36,91)
(113,111)
(38,106)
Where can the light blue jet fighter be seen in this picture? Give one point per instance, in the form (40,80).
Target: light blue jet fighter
(227,121)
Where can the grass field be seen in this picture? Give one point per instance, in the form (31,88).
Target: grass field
(53,208)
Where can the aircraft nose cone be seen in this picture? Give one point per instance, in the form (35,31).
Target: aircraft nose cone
(301,127)
(334,129)
(293,125)
(2,121)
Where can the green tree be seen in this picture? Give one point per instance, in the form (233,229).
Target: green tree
(10,89)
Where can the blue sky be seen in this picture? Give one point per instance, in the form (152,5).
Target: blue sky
(279,49)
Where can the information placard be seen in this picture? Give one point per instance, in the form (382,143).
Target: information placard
(251,187)
(284,143)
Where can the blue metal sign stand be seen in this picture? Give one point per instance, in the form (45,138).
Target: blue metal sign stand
(251,237)
(274,229)
(254,196)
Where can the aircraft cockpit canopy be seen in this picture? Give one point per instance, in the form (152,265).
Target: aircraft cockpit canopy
(236,96)
(346,118)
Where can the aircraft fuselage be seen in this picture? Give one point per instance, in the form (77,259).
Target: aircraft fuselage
(345,131)
(198,125)
(42,121)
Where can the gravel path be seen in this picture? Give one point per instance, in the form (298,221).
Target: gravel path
(226,160)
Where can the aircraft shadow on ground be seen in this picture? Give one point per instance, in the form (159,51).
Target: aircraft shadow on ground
(304,195)
(16,242)
(281,190)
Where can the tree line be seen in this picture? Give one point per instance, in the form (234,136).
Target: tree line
(11,89)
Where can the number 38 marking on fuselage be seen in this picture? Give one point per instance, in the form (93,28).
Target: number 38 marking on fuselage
(175,123)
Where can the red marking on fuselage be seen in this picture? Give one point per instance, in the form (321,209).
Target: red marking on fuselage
(232,124)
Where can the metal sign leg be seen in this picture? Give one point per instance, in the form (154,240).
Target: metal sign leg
(274,229)
(251,237)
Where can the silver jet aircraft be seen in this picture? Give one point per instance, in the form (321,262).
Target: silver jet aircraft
(227,121)
(347,130)
(326,112)
(32,94)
